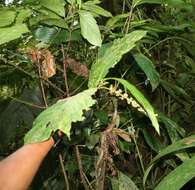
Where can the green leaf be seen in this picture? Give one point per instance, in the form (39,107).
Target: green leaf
(174,3)
(55,22)
(174,131)
(56,6)
(110,54)
(89,28)
(147,66)
(6,17)
(60,116)
(45,34)
(152,141)
(12,33)
(96,9)
(139,2)
(111,23)
(23,14)
(179,176)
(142,101)
(123,183)
(187,142)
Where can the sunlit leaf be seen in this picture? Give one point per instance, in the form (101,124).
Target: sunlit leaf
(22,15)
(89,28)
(179,176)
(6,17)
(110,54)
(12,33)
(96,9)
(56,6)
(60,116)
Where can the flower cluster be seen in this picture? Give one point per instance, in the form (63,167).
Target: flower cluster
(124,96)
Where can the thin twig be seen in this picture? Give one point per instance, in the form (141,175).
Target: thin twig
(129,19)
(27,103)
(65,72)
(64,172)
(41,86)
(81,168)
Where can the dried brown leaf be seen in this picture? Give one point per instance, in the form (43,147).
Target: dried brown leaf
(77,67)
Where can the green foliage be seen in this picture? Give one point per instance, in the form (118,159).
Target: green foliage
(12,33)
(148,68)
(65,49)
(6,17)
(57,7)
(60,116)
(110,54)
(92,7)
(187,142)
(178,177)
(142,101)
(89,28)
(123,183)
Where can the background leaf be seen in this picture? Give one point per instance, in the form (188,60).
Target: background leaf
(89,28)
(179,176)
(187,142)
(147,66)
(60,116)
(110,54)
(123,183)
(45,34)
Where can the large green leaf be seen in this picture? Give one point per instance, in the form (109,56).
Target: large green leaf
(6,17)
(174,3)
(110,54)
(56,6)
(45,34)
(89,28)
(123,183)
(55,22)
(147,66)
(12,33)
(179,176)
(22,15)
(96,9)
(60,116)
(142,101)
(187,142)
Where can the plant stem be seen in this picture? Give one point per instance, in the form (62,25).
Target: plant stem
(64,172)
(139,154)
(65,72)
(81,168)
(27,103)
